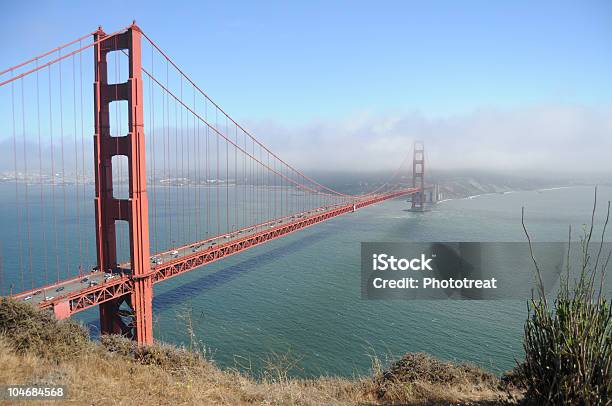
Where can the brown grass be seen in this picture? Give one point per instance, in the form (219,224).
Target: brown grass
(420,376)
(115,371)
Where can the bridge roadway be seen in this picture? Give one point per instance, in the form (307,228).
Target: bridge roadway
(72,295)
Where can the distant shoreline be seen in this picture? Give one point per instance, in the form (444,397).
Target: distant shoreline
(470,197)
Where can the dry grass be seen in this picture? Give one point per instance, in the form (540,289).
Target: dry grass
(418,378)
(117,372)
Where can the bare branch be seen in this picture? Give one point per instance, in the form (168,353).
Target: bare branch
(603,234)
(588,239)
(535,263)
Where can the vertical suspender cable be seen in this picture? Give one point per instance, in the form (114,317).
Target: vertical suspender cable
(227,203)
(253,197)
(55,231)
(76,167)
(207,171)
(188,186)
(182,185)
(268,187)
(199,172)
(179,227)
(87,258)
(236,179)
(195,187)
(27,180)
(166,135)
(17,204)
(40,175)
(66,261)
(151,139)
(217,178)
(245,184)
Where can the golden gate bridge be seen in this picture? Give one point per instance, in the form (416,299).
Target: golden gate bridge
(194,188)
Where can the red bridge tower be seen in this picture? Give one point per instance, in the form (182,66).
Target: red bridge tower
(131,314)
(418,176)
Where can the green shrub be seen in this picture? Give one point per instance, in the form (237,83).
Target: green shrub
(568,343)
(28,329)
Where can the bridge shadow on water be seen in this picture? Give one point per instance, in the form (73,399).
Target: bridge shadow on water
(219,278)
(225,275)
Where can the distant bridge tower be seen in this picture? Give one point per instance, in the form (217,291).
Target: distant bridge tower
(131,314)
(418,176)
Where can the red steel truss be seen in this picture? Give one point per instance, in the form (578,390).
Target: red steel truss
(117,288)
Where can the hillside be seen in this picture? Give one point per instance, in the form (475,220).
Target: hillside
(36,349)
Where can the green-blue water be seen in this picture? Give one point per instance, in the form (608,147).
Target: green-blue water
(302,293)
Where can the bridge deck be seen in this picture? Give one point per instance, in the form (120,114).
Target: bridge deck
(88,290)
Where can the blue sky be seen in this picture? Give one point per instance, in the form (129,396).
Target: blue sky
(487,84)
(296,61)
